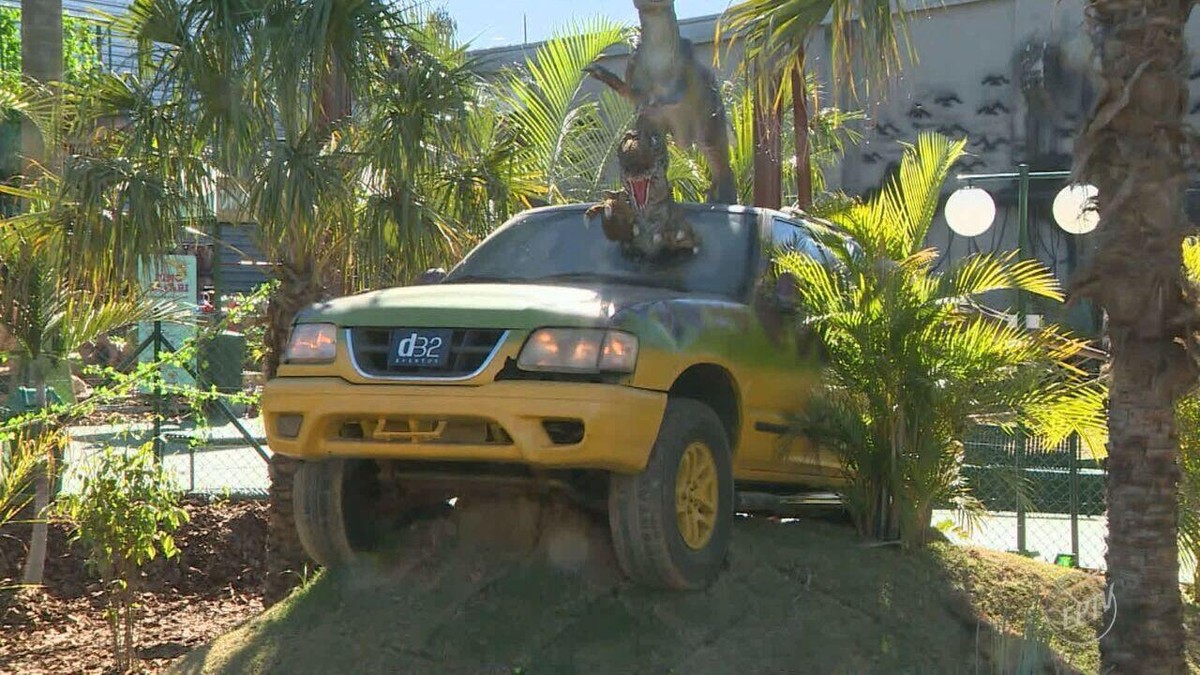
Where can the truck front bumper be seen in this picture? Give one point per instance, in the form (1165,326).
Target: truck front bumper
(540,424)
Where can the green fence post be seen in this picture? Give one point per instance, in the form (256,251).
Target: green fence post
(1073,446)
(1019,453)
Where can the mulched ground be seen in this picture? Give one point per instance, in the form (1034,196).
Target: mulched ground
(216,583)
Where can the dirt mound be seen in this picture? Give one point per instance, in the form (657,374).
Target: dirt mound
(497,589)
(214,584)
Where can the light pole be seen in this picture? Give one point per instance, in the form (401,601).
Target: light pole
(969,212)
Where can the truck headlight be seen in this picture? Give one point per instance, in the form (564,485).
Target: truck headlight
(579,350)
(312,343)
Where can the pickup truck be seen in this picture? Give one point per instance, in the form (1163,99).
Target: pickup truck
(652,390)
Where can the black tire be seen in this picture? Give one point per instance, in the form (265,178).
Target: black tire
(333,518)
(646,534)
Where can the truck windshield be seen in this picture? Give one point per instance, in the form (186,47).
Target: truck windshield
(561,245)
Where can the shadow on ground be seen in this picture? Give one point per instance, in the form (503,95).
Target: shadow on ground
(806,596)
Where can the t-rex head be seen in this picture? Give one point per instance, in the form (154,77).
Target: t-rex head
(642,156)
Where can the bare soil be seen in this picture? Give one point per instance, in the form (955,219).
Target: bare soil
(214,584)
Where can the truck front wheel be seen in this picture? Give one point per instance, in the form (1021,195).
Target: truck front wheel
(332,501)
(671,524)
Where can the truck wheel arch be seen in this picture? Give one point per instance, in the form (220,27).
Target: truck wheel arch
(715,387)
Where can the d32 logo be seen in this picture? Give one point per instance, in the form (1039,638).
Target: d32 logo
(1078,611)
(418,349)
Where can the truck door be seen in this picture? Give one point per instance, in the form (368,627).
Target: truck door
(785,376)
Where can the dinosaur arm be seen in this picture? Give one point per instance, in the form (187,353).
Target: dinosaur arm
(609,78)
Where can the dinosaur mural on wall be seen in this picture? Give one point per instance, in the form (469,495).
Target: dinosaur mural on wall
(1023,107)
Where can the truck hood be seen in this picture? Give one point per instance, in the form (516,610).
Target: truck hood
(507,306)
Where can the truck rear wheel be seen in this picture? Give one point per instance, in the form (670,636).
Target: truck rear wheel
(671,524)
(333,509)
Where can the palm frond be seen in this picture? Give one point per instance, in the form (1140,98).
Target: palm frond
(564,139)
(868,41)
(975,275)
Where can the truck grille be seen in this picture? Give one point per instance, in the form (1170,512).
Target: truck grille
(470,350)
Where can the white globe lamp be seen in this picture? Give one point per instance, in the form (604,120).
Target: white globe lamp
(1074,210)
(970,211)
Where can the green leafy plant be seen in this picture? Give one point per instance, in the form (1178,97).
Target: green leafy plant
(916,359)
(246,313)
(123,516)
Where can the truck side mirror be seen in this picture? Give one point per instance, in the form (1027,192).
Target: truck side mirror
(787,292)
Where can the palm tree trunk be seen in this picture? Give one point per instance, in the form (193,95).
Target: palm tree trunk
(299,286)
(804,188)
(768,148)
(35,560)
(41,60)
(1133,151)
(768,170)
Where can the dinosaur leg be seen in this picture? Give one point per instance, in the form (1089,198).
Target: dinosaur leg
(611,79)
(714,144)
(723,189)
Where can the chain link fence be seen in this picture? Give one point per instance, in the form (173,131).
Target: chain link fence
(1042,502)
(197,408)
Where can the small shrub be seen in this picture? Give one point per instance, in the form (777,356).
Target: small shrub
(123,516)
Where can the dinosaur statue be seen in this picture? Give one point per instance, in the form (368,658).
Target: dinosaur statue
(669,85)
(643,216)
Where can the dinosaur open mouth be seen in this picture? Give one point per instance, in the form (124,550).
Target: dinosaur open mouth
(639,189)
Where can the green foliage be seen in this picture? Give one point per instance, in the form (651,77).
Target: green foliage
(246,313)
(566,136)
(916,359)
(80,57)
(829,131)
(22,454)
(123,516)
(867,39)
(1187,421)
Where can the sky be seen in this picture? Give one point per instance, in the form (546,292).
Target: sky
(494,23)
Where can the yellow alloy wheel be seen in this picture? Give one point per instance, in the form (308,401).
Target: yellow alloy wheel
(696,495)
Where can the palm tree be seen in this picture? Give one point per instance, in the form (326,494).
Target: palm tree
(344,196)
(868,41)
(1130,150)
(915,358)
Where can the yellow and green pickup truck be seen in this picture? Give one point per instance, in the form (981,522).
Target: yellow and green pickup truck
(548,357)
